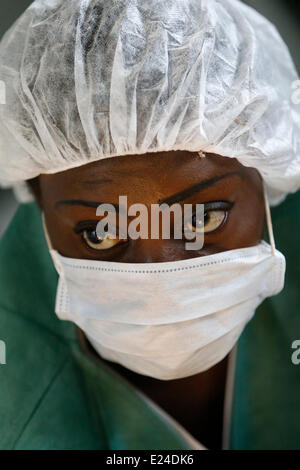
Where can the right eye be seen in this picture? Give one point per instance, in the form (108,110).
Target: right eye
(96,242)
(212,220)
(215,215)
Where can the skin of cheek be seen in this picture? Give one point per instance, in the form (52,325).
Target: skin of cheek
(147,185)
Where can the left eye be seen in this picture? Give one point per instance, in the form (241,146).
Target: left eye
(212,220)
(98,243)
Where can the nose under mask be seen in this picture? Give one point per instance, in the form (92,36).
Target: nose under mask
(168,320)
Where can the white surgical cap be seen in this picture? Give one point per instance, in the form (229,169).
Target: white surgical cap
(91,79)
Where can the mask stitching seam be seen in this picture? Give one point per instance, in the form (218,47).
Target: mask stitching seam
(97,268)
(62,297)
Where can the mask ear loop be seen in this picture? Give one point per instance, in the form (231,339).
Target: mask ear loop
(269,220)
(46,232)
(50,247)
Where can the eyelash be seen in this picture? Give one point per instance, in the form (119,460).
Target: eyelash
(105,251)
(86,225)
(211,206)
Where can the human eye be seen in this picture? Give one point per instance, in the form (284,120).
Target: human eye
(215,215)
(90,237)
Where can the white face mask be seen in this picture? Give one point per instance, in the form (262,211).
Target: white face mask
(172,319)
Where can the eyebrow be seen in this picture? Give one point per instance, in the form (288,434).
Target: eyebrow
(95,182)
(168,200)
(197,188)
(80,202)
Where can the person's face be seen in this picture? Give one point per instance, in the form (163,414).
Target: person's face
(232,194)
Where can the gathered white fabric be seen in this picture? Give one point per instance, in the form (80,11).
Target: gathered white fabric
(91,79)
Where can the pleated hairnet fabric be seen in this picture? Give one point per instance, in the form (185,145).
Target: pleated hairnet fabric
(92,79)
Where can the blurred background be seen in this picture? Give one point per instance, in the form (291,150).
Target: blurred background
(285,14)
